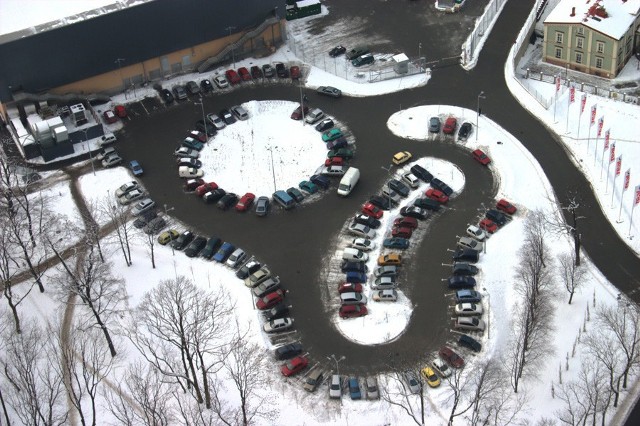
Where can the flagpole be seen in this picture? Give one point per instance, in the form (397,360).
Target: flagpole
(604,149)
(612,157)
(569,102)
(636,200)
(595,151)
(625,185)
(583,102)
(615,176)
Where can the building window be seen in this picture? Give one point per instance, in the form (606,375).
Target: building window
(599,47)
(580,30)
(599,62)
(579,58)
(559,37)
(558,53)
(580,43)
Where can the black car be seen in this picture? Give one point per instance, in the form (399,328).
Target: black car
(179,92)
(325,124)
(287,351)
(341,142)
(367,220)
(206,85)
(498,217)
(229,199)
(268,71)
(466,255)
(248,268)
(213,196)
(205,127)
(463,268)
(329,91)
(193,88)
(279,311)
(413,211)
(322,181)
(399,187)
(380,202)
(190,162)
(427,204)
(166,96)
(438,184)
(155,225)
(146,217)
(296,194)
(421,173)
(461,281)
(210,248)
(195,246)
(256,72)
(337,51)
(348,266)
(226,116)
(464,131)
(183,240)
(469,342)
(282,70)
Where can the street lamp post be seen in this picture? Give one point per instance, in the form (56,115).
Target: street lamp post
(93,168)
(480,96)
(233,49)
(201,103)
(166,210)
(273,171)
(388,170)
(488,312)
(337,361)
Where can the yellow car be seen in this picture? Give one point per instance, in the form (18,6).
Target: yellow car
(390,259)
(168,236)
(431,378)
(401,157)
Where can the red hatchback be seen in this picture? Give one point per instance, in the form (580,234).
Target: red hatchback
(192,184)
(372,211)
(244,74)
(506,206)
(245,202)
(334,161)
(297,113)
(109,117)
(406,222)
(350,288)
(270,300)
(294,366)
(437,195)
(401,232)
(450,357)
(481,157)
(232,76)
(203,189)
(488,225)
(450,126)
(120,111)
(352,311)
(198,135)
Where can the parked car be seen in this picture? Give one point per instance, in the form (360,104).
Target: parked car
(410,180)
(224,252)
(335,388)
(441,186)
(366,220)
(221,81)
(361,230)
(329,91)
(256,72)
(217,122)
(337,51)
(384,283)
(421,173)
(355,277)
(356,51)
(386,271)
(331,134)
(278,325)
(505,206)
(321,181)
(295,194)
(206,86)
(488,225)
(155,225)
(299,112)
(450,125)
(363,244)
(396,243)
(179,92)
(498,217)
(354,389)
(341,142)
(401,232)
(111,160)
(466,255)
(190,172)
(186,152)
(345,153)
(106,152)
(198,135)
(257,277)
(415,212)
(193,88)
(371,385)
(450,357)
(461,281)
(287,351)
(353,254)
(331,170)
(166,96)
(167,236)
(294,366)
(371,210)
(468,296)
(401,157)
(229,199)
(240,112)
(406,222)
(353,266)
(308,187)
(262,206)
(109,117)
(281,70)
(465,131)
(232,77)
(469,342)
(226,116)
(127,187)
(268,71)
(352,311)
(210,248)
(294,72)
(390,259)
(353,298)
(146,217)
(399,187)
(245,202)
(481,157)
(476,233)
(441,367)
(427,204)
(280,310)
(270,300)
(324,125)
(189,162)
(244,74)
(381,202)
(469,323)
(434,125)
(195,246)
(463,268)
(350,288)
(413,382)
(236,258)
(313,380)
(248,268)
(365,59)
(214,196)
(130,197)
(143,206)
(437,195)
(430,377)
(468,309)
(183,240)
(314,115)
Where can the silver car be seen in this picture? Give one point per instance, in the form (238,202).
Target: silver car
(466,242)
(362,230)
(441,368)
(335,389)
(221,81)
(372,388)
(240,112)
(413,382)
(217,122)
(353,298)
(385,295)
(111,160)
(469,323)
(386,271)
(236,258)
(126,187)
(384,283)
(130,197)
(143,206)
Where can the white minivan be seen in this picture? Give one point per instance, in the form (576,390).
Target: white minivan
(348,181)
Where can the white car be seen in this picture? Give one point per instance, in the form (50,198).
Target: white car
(130,197)
(240,112)
(236,258)
(466,242)
(335,389)
(314,115)
(189,172)
(363,244)
(106,152)
(468,309)
(332,170)
(441,368)
(221,81)
(126,187)
(353,254)
(476,233)
(277,325)
(384,283)
(107,139)
(362,230)
(217,122)
(111,160)
(411,180)
(385,295)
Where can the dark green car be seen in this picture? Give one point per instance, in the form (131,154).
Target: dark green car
(345,153)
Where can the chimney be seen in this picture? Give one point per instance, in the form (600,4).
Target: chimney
(573,11)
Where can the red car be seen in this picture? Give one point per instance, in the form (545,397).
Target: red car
(506,206)
(350,287)
(401,232)
(481,157)
(244,74)
(334,161)
(203,189)
(192,184)
(297,113)
(109,117)
(198,135)
(450,357)
(232,76)
(245,202)
(295,72)
(406,222)
(270,300)
(437,195)
(372,211)
(488,225)
(352,311)
(120,111)
(294,366)
(450,126)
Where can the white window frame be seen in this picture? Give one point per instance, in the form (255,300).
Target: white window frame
(580,30)
(599,62)
(578,57)
(599,46)
(579,42)
(558,52)
(559,37)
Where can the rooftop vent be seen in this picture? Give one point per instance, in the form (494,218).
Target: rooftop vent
(573,11)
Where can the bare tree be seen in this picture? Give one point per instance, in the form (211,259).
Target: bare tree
(558,225)
(92,282)
(602,347)
(571,273)
(458,387)
(184,331)
(149,240)
(535,231)
(119,216)
(397,393)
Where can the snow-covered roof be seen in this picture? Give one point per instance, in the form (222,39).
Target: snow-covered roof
(618,16)
(34,16)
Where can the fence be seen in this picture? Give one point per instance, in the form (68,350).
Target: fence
(483,23)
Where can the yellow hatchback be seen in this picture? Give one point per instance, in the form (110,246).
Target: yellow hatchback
(401,157)
(167,236)
(432,379)
(390,259)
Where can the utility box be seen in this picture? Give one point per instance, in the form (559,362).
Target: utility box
(400,63)
(302,8)
(79,114)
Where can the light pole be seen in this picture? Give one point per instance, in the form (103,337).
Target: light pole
(388,170)
(488,312)
(419,53)
(93,168)
(273,171)
(166,210)
(337,361)
(201,103)
(233,49)
(119,62)
(480,96)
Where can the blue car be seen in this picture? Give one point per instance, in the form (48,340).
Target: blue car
(396,243)
(356,277)
(136,168)
(354,388)
(224,252)
(309,187)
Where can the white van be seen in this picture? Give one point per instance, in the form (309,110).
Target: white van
(189,172)
(348,181)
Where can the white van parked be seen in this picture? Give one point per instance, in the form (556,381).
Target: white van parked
(189,172)
(348,181)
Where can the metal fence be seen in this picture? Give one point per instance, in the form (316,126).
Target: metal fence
(483,23)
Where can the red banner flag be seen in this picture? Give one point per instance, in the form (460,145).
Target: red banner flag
(600,124)
(593,114)
(627,178)
(572,95)
(557,84)
(613,153)
(606,140)
(637,199)
(583,102)
(618,165)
